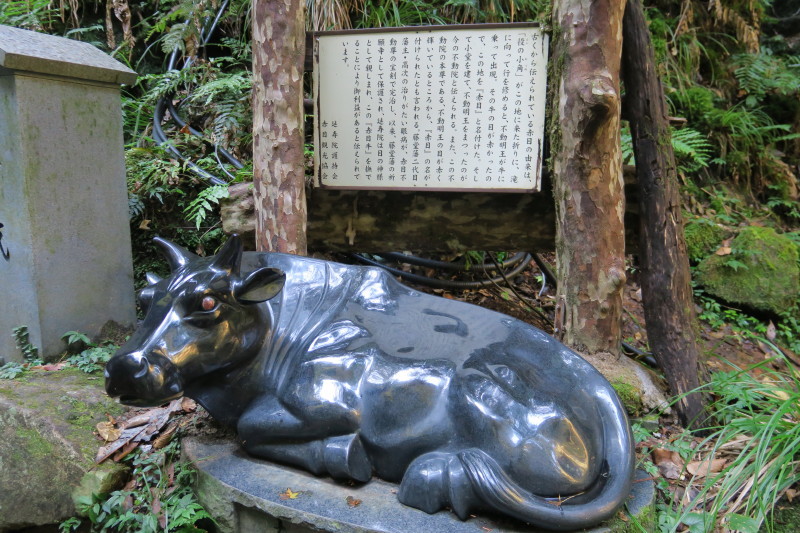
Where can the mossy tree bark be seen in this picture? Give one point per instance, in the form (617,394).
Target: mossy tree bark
(666,287)
(587,169)
(278,171)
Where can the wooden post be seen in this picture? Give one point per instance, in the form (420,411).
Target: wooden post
(666,287)
(587,170)
(278,170)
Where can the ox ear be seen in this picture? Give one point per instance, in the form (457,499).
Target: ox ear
(260,285)
(230,256)
(176,256)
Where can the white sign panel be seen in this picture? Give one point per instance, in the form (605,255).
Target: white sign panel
(434,108)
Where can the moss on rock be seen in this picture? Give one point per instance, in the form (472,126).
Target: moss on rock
(760,273)
(703,237)
(630,397)
(47,445)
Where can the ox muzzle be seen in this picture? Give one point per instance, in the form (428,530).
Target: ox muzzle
(142,380)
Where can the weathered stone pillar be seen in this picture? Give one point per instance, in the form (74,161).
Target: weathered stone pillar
(65,262)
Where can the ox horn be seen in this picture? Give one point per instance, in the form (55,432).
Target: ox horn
(230,256)
(176,256)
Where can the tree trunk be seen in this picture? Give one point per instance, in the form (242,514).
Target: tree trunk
(590,244)
(278,172)
(666,287)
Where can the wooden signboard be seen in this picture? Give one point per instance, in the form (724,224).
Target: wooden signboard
(442,108)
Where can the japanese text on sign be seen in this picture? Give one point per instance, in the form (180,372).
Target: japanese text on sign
(437,109)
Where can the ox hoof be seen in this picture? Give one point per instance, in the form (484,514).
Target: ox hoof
(423,483)
(345,458)
(435,481)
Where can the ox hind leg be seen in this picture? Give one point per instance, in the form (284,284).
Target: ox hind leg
(438,480)
(270,431)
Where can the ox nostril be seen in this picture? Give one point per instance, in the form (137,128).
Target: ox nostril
(137,364)
(142,371)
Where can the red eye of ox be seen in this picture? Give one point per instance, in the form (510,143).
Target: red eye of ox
(208,303)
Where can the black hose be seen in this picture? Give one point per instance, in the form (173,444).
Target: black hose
(158,115)
(161,138)
(444,284)
(460,265)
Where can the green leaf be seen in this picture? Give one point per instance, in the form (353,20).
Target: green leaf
(735,264)
(745,524)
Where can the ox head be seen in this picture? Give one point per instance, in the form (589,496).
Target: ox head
(202,319)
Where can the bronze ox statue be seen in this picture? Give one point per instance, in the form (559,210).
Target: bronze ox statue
(343,371)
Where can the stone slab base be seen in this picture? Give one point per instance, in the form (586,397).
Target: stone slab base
(250,495)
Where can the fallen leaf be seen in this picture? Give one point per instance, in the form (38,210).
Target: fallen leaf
(155,507)
(353,502)
(288,494)
(188,405)
(126,449)
(669,463)
(52,367)
(171,474)
(723,250)
(165,437)
(136,421)
(771,331)
(107,431)
(144,224)
(705,467)
(127,435)
(774,392)
(791,494)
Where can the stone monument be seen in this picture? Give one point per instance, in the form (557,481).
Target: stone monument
(66,256)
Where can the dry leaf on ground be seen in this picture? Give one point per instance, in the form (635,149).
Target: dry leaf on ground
(669,463)
(353,502)
(705,467)
(107,431)
(288,494)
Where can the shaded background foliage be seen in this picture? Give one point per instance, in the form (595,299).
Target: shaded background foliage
(731,70)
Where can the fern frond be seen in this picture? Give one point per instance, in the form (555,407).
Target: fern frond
(199,208)
(692,149)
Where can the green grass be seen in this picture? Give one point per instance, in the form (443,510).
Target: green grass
(757,433)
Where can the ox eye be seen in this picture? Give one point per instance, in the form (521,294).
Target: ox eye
(208,303)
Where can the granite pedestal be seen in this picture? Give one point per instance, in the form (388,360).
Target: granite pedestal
(247,495)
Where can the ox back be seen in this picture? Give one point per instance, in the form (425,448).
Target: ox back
(343,371)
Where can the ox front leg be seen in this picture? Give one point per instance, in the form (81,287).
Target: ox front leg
(342,457)
(270,431)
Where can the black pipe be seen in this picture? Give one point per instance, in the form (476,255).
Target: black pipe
(444,284)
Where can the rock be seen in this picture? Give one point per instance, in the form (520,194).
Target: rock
(759,273)
(47,446)
(637,387)
(703,237)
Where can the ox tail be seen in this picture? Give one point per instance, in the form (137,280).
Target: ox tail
(611,489)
